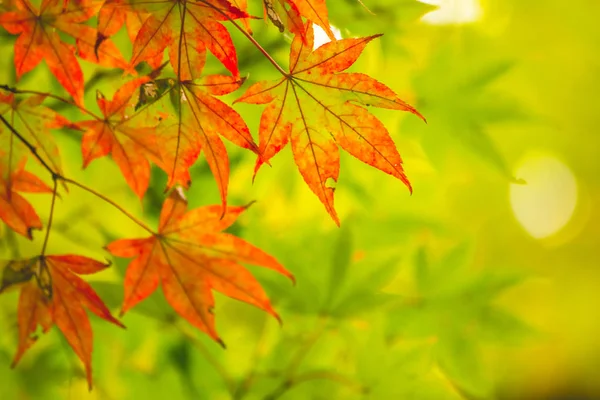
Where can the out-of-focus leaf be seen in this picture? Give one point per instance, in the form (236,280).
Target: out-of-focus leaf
(339,264)
(180,357)
(499,326)
(454,307)
(379,16)
(460,360)
(460,102)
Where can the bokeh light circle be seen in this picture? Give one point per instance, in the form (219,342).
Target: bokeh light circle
(545,204)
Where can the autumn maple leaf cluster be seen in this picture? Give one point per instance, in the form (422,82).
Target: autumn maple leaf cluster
(169,117)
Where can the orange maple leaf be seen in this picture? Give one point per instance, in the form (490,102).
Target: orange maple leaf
(288,14)
(318,108)
(39,38)
(190,257)
(315,11)
(53,294)
(131,145)
(34,122)
(188,29)
(242,5)
(112,16)
(199,121)
(15,211)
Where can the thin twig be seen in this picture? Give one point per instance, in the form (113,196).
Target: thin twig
(52,96)
(288,376)
(247,382)
(311,376)
(308,345)
(31,148)
(109,201)
(227,380)
(56,176)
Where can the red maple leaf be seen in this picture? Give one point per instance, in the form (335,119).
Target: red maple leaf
(39,38)
(53,294)
(318,108)
(190,257)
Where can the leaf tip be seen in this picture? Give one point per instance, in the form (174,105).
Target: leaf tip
(247,206)
(336,219)
(414,111)
(278,318)
(118,323)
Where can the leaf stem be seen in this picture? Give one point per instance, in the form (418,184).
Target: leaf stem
(107,200)
(50,217)
(308,345)
(247,382)
(249,37)
(31,148)
(290,378)
(227,380)
(52,96)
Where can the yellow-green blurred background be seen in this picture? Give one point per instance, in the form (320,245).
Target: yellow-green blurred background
(475,287)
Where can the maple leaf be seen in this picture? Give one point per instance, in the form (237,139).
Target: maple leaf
(288,14)
(282,16)
(318,108)
(112,16)
(39,38)
(196,125)
(189,257)
(315,11)
(52,293)
(188,29)
(242,5)
(131,145)
(33,121)
(15,211)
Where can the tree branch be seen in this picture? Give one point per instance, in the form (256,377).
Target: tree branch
(56,176)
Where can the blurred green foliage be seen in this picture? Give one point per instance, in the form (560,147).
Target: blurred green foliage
(439,295)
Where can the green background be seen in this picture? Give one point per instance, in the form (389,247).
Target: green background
(442,294)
